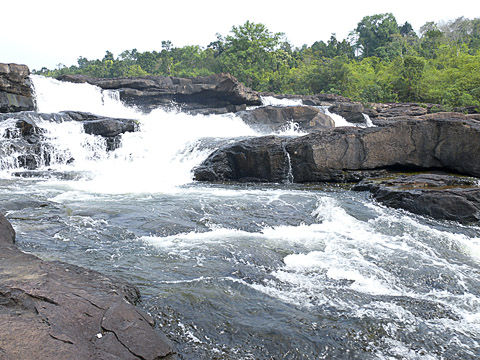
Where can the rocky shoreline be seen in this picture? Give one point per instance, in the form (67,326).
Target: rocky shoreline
(53,310)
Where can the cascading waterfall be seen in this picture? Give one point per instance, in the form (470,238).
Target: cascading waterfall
(158,157)
(239,271)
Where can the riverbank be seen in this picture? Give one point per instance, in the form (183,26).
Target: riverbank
(53,310)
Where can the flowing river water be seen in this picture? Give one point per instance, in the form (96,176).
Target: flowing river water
(242,271)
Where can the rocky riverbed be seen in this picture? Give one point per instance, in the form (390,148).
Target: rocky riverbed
(60,310)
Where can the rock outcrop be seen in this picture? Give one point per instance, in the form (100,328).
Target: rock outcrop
(215,93)
(53,310)
(261,159)
(439,196)
(452,144)
(15,89)
(269,119)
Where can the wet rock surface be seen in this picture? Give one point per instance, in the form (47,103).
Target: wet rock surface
(261,159)
(53,310)
(439,196)
(451,144)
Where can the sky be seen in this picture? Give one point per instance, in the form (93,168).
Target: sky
(45,33)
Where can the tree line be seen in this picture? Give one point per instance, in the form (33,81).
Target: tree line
(380,61)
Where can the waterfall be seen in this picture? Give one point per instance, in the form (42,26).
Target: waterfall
(160,156)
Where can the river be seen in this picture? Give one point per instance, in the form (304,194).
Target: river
(242,271)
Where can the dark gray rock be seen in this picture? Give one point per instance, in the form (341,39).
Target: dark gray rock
(269,119)
(352,112)
(389,110)
(257,160)
(204,92)
(52,310)
(15,88)
(442,197)
(452,144)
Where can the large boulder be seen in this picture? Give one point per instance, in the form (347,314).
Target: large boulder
(271,119)
(439,196)
(15,88)
(326,155)
(53,310)
(262,159)
(199,93)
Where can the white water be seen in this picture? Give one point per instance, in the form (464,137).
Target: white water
(157,158)
(311,249)
(272,101)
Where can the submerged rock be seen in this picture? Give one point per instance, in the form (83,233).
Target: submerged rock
(53,310)
(442,197)
(15,88)
(270,118)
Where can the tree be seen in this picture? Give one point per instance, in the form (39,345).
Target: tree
(249,53)
(408,84)
(375,33)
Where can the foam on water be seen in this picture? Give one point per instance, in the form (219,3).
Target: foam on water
(343,255)
(159,157)
(273,101)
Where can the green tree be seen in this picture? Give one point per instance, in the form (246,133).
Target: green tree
(408,84)
(374,33)
(249,53)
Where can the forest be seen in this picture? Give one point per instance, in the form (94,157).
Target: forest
(380,61)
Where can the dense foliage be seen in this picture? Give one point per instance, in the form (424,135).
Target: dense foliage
(381,61)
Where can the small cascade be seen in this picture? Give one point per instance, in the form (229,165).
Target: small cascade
(273,101)
(338,119)
(288,162)
(368,121)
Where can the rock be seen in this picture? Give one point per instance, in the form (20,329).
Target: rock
(53,310)
(451,144)
(204,92)
(443,197)
(261,159)
(352,112)
(269,119)
(15,88)
(399,109)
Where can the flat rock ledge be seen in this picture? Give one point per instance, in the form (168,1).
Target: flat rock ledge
(53,310)
(440,196)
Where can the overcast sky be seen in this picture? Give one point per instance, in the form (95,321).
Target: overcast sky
(48,32)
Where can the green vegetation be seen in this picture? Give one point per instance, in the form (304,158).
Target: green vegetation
(381,61)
